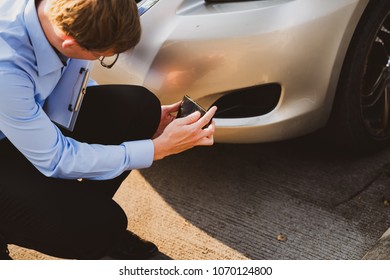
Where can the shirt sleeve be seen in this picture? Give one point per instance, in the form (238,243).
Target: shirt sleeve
(26,125)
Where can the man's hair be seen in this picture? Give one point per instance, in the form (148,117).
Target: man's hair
(98,25)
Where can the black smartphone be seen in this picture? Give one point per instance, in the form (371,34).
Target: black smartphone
(188,106)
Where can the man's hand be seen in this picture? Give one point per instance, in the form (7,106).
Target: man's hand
(185,133)
(166,117)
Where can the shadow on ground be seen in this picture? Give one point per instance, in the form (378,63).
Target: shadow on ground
(289,200)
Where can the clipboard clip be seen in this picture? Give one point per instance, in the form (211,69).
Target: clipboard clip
(79,91)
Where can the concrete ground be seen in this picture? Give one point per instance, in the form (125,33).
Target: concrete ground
(290,200)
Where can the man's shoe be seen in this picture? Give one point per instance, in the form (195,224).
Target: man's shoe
(132,247)
(4,253)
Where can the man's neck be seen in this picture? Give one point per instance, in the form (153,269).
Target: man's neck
(49,30)
(51,33)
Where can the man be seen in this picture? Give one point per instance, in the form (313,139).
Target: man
(42,204)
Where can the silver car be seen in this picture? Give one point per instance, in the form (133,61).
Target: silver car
(276,69)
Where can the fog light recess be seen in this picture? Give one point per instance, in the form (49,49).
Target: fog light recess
(248,102)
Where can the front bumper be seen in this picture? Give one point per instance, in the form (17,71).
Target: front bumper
(208,50)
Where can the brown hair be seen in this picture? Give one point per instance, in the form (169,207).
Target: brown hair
(98,25)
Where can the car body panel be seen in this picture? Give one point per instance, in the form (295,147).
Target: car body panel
(208,50)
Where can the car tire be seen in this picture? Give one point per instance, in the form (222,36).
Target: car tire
(360,120)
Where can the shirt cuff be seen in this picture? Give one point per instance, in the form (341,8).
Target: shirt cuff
(139,154)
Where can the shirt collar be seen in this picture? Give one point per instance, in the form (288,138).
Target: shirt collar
(47,59)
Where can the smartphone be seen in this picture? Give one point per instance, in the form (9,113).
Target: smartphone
(188,106)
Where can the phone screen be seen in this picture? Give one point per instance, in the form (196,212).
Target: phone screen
(188,106)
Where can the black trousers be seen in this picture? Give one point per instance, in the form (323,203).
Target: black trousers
(69,218)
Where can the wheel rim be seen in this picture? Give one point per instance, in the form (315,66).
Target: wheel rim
(375,97)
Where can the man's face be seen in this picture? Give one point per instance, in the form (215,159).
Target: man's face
(64,43)
(75,51)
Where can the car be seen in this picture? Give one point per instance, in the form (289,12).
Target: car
(276,69)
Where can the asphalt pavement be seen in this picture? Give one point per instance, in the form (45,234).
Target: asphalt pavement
(381,250)
(293,200)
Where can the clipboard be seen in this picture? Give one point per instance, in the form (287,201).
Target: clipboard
(63,104)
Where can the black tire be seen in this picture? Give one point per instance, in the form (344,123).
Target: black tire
(360,119)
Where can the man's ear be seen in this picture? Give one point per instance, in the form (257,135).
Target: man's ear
(69,42)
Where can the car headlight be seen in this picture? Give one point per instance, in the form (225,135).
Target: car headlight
(220,1)
(145,5)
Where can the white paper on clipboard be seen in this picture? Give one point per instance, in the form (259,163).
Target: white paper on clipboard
(63,104)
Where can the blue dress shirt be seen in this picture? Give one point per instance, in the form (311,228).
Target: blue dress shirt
(29,71)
